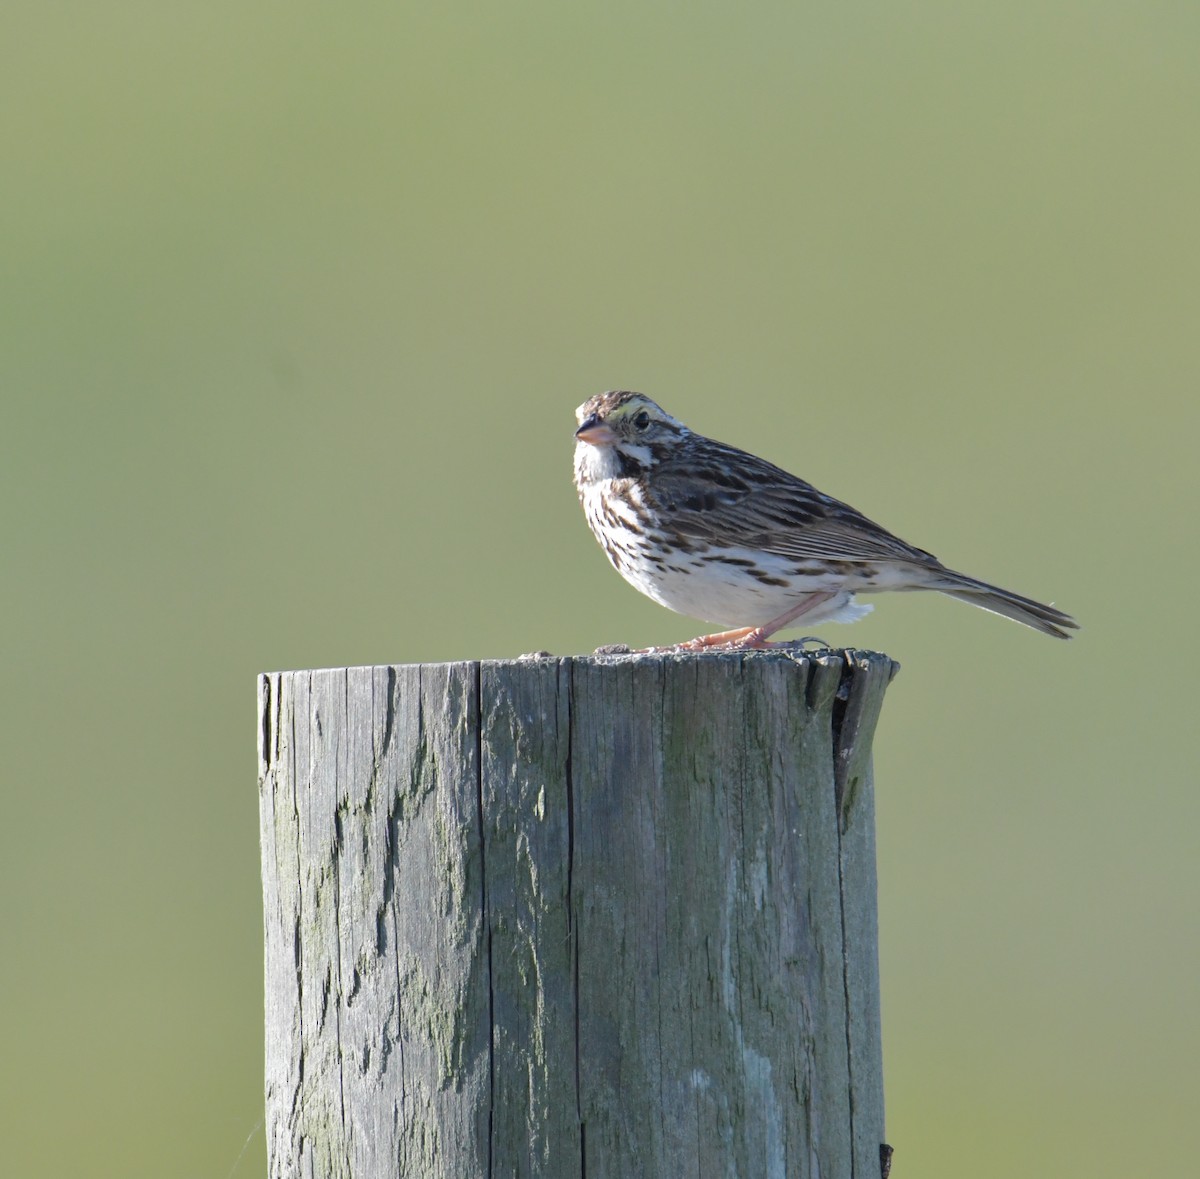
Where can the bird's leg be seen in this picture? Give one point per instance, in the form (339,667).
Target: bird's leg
(703,643)
(726,638)
(755,638)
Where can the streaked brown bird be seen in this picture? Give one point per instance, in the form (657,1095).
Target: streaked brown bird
(724,536)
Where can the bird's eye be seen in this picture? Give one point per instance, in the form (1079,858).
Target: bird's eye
(641,419)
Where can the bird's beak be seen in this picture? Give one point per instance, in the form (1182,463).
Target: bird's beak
(594,432)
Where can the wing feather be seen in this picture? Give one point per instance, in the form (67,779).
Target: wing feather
(725,494)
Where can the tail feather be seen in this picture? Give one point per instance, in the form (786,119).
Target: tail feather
(1047,619)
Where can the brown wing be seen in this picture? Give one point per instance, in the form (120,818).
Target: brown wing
(720,494)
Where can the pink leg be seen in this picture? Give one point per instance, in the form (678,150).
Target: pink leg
(754,638)
(726,638)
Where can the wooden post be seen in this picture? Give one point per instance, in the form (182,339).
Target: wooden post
(609,916)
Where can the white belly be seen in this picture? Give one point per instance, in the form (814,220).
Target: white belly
(729,596)
(718,592)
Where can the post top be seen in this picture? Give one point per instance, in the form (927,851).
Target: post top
(851,658)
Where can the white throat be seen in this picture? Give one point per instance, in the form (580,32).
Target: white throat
(594,464)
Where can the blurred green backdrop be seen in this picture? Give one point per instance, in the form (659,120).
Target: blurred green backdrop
(298,301)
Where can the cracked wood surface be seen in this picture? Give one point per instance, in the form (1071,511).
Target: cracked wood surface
(608,916)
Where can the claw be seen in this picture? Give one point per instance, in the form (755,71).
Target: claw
(751,638)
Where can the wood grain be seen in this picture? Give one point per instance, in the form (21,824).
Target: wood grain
(611,916)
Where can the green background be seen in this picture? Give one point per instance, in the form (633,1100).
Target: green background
(298,302)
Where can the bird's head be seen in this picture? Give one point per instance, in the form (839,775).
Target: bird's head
(623,434)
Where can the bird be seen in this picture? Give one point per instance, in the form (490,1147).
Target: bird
(728,538)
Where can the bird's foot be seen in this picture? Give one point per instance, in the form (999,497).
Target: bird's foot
(746,638)
(741,639)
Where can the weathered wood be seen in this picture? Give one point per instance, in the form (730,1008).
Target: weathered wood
(611,916)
